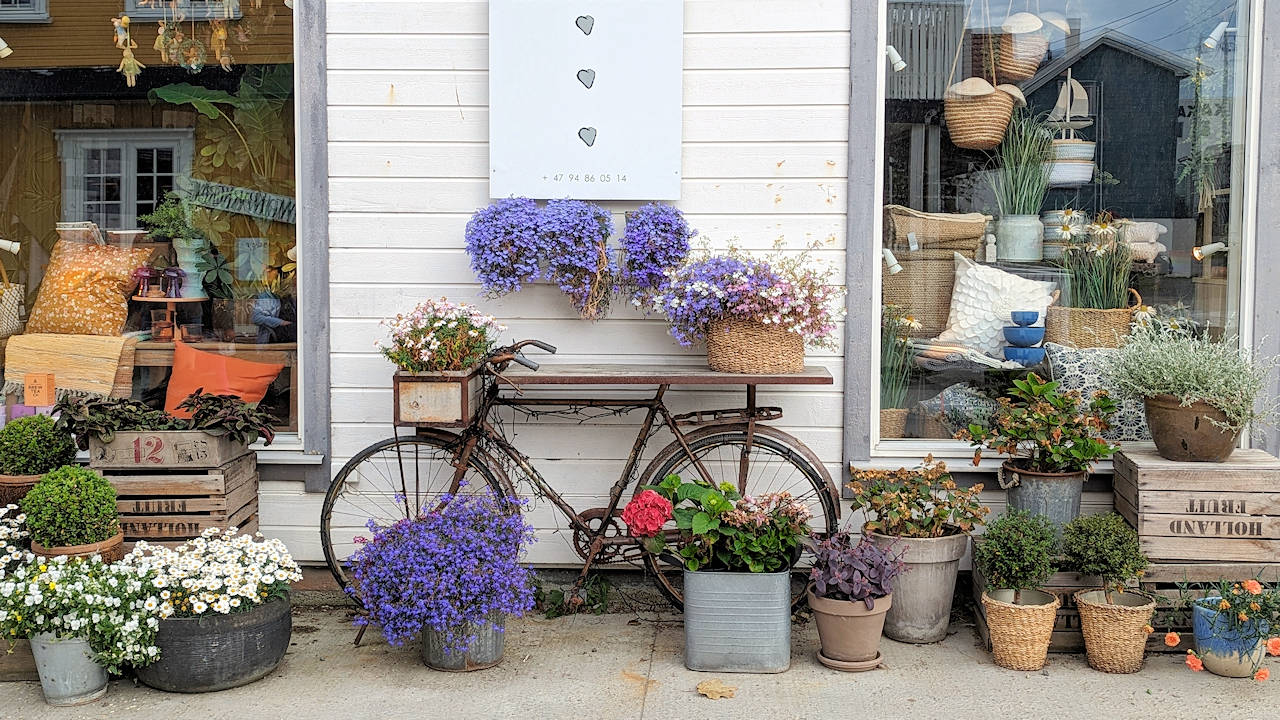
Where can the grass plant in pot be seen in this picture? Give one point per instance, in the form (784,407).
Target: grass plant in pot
(852,590)
(1020,182)
(1198,392)
(1051,439)
(224,609)
(1100,314)
(737,553)
(30,447)
(896,357)
(72,511)
(756,314)
(1015,555)
(1234,624)
(451,576)
(923,516)
(1115,623)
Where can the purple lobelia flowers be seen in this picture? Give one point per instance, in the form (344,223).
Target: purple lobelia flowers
(456,565)
(505,247)
(575,235)
(656,239)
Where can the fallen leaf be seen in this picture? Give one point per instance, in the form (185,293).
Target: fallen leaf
(715,689)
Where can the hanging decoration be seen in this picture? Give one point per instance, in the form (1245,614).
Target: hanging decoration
(218,43)
(129,65)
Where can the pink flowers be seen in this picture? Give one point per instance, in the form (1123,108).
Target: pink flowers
(439,335)
(646,514)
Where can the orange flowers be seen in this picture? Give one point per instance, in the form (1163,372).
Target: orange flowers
(1273,646)
(1242,617)
(1224,604)
(1253,587)
(1172,639)
(1194,662)
(1262,675)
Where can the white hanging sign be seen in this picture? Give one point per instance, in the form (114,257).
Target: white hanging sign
(585,98)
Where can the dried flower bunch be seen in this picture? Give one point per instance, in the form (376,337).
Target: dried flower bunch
(1246,613)
(438,335)
(793,290)
(221,572)
(447,570)
(851,567)
(920,503)
(1043,430)
(656,239)
(575,235)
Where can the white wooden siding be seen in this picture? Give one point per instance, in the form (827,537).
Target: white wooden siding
(766,92)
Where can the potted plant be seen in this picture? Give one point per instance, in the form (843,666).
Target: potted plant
(1099,314)
(730,546)
(1115,623)
(852,589)
(1015,555)
(896,357)
(72,511)
(170,221)
(755,314)
(923,515)
(1198,392)
(224,609)
(452,575)
(30,447)
(84,618)
(1233,626)
(1020,182)
(1051,439)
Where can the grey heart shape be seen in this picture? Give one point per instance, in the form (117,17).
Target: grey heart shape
(588,135)
(587,78)
(585,23)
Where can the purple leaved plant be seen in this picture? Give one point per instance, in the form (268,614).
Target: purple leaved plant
(444,570)
(856,571)
(656,240)
(505,247)
(575,235)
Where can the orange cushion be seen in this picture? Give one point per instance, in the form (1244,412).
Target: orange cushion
(218,374)
(84,291)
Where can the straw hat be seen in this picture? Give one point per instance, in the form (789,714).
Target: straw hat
(970,87)
(1019,99)
(1023,22)
(1057,20)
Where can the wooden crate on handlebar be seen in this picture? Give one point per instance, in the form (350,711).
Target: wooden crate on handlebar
(437,399)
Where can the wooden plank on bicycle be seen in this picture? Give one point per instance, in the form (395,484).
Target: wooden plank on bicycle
(635,374)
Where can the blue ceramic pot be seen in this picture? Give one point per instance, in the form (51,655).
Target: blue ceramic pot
(1024,317)
(1023,337)
(1227,651)
(1028,356)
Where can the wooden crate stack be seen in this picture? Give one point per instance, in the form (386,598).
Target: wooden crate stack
(172,486)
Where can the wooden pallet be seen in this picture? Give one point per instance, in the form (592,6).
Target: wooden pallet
(1173,584)
(1211,512)
(169,508)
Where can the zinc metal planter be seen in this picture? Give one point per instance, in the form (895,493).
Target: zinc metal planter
(1054,495)
(68,674)
(218,652)
(922,595)
(484,652)
(737,622)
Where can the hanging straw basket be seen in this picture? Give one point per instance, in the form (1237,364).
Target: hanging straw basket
(1088,327)
(1022,47)
(923,288)
(978,113)
(933,231)
(1115,636)
(735,345)
(1020,634)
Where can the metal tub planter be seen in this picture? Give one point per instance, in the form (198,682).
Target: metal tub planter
(68,674)
(737,621)
(484,650)
(217,652)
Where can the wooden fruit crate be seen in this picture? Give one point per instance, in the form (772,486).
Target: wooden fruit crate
(436,399)
(1213,512)
(163,450)
(1172,584)
(169,508)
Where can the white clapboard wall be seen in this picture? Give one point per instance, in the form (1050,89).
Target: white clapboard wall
(766,94)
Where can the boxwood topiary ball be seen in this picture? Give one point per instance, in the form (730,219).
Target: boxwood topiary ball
(71,506)
(33,446)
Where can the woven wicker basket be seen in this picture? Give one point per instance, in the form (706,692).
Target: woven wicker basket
(1115,636)
(1020,55)
(1087,327)
(748,346)
(933,231)
(1020,634)
(978,122)
(923,288)
(893,422)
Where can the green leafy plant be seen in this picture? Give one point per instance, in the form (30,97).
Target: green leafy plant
(554,602)
(895,355)
(1020,180)
(215,272)
(214,414)
(71,506)
(1016,552)
(228,415)
(920,503)
(34,445)
(169,220)
(1193,367)
(1043,430)
(1103,545)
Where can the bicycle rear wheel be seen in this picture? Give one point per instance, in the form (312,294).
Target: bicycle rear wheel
(394,479)
(776,462)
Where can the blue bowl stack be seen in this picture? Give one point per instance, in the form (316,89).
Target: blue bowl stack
(1023,339)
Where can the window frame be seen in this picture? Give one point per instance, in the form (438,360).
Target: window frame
(37,11)
(151,14)
(72,145)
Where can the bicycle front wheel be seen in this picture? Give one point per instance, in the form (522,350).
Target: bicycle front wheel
(394,479)
(775,462)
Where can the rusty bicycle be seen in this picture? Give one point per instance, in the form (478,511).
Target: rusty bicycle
(405,475)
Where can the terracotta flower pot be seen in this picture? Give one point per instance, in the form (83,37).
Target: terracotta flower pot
(848,631)
(1186,434)
(14,487)
(111,549)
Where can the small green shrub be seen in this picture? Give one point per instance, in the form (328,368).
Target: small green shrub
(33,446)
(1103,545)
(71,506)
(1016,552)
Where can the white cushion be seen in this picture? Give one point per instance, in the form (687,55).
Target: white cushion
(982,300)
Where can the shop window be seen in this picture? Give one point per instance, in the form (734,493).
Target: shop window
(20,11)
(114,177)
(1082,162)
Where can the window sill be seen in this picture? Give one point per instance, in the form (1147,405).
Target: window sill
(18,18)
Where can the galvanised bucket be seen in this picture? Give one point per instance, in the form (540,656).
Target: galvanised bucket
(1054,495)
(68,674)
(737,621)
(484,652)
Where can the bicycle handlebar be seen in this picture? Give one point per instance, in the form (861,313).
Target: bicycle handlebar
(525,361)
(511,353)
